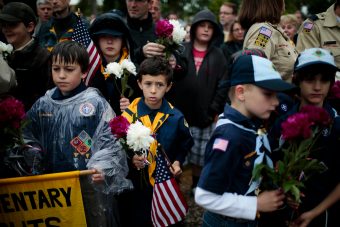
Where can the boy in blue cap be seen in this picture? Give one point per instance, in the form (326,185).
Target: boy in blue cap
(226,189)
(314,75)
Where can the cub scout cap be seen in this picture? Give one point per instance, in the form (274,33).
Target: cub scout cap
(251,69)
(15,12)
(315,56)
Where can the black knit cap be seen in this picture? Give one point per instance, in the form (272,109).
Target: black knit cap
(15,12)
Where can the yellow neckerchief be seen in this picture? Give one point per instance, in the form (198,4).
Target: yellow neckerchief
(125,55)
(131,114)
(65,37)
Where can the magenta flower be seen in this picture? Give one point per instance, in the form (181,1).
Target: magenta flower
(296,126)
(164,29)
(317,116)
(119,126)
(335,90)
(12,112)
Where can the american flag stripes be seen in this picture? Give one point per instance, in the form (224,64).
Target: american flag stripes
(168,204)
(81,35)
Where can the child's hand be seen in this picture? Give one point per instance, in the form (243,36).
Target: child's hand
(268,201)
(153,49)
(124,103)
(98,176)
(176,168)
(292,203)
(304,219)
(138,161)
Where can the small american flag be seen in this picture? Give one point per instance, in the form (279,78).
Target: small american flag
(82,36)
(220,144)
(266,31)
(168,204)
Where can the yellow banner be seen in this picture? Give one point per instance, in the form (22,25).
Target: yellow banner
(44,200)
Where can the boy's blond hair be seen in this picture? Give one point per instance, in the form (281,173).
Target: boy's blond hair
(289,19)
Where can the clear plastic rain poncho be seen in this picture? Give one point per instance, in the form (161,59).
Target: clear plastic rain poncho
(74,135)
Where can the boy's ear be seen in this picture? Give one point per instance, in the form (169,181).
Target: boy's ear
(140,84)
(83,75)
(169,87)
(239,92)
(30,27)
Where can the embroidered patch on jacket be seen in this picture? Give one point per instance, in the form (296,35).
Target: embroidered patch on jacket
(307,27)
(82,143)
(220,144)
(86,109)
(263,37)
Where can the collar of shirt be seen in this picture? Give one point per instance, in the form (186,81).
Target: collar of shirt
(143,109)
(235,116)
(57,95)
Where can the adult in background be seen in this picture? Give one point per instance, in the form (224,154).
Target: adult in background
(156,10)
(289,25)
(260,19)
(60,27)
(235,41)
(322,30)
(227,15)
(44,12)
(142,29)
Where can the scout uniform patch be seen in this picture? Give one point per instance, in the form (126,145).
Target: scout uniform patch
(82,143)
(263,37)
(86,109)
(307,27)
(220,144)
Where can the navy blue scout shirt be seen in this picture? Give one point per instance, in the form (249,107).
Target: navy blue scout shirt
(230,156)
(174,134)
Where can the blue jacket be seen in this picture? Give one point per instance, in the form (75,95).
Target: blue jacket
(230,156)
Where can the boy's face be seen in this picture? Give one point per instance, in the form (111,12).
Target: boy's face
(314,91)
(259,102)
(17,34)
(66,77)
(110,46)
(154,89)
(204,31)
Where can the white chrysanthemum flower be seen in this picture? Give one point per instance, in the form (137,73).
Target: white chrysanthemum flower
(178,33)
(129,66)
(8,48)
(139,137)
(114,68)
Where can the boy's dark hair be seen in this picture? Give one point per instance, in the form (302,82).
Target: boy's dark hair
(310,72)
(155,66)
(71,52)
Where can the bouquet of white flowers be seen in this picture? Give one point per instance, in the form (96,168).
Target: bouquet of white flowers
(122,71)
(5,49)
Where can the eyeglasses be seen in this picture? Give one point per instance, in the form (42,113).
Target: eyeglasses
(238,30)
(137,1)
(226,13)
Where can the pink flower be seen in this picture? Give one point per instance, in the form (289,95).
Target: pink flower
(164,29)
(296,126)
(12,112)
(335,90)
(119,126)
(317,116)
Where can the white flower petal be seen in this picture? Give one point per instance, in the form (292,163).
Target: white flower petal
(114,68)
(178,33)
(139,137)
(129,66)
